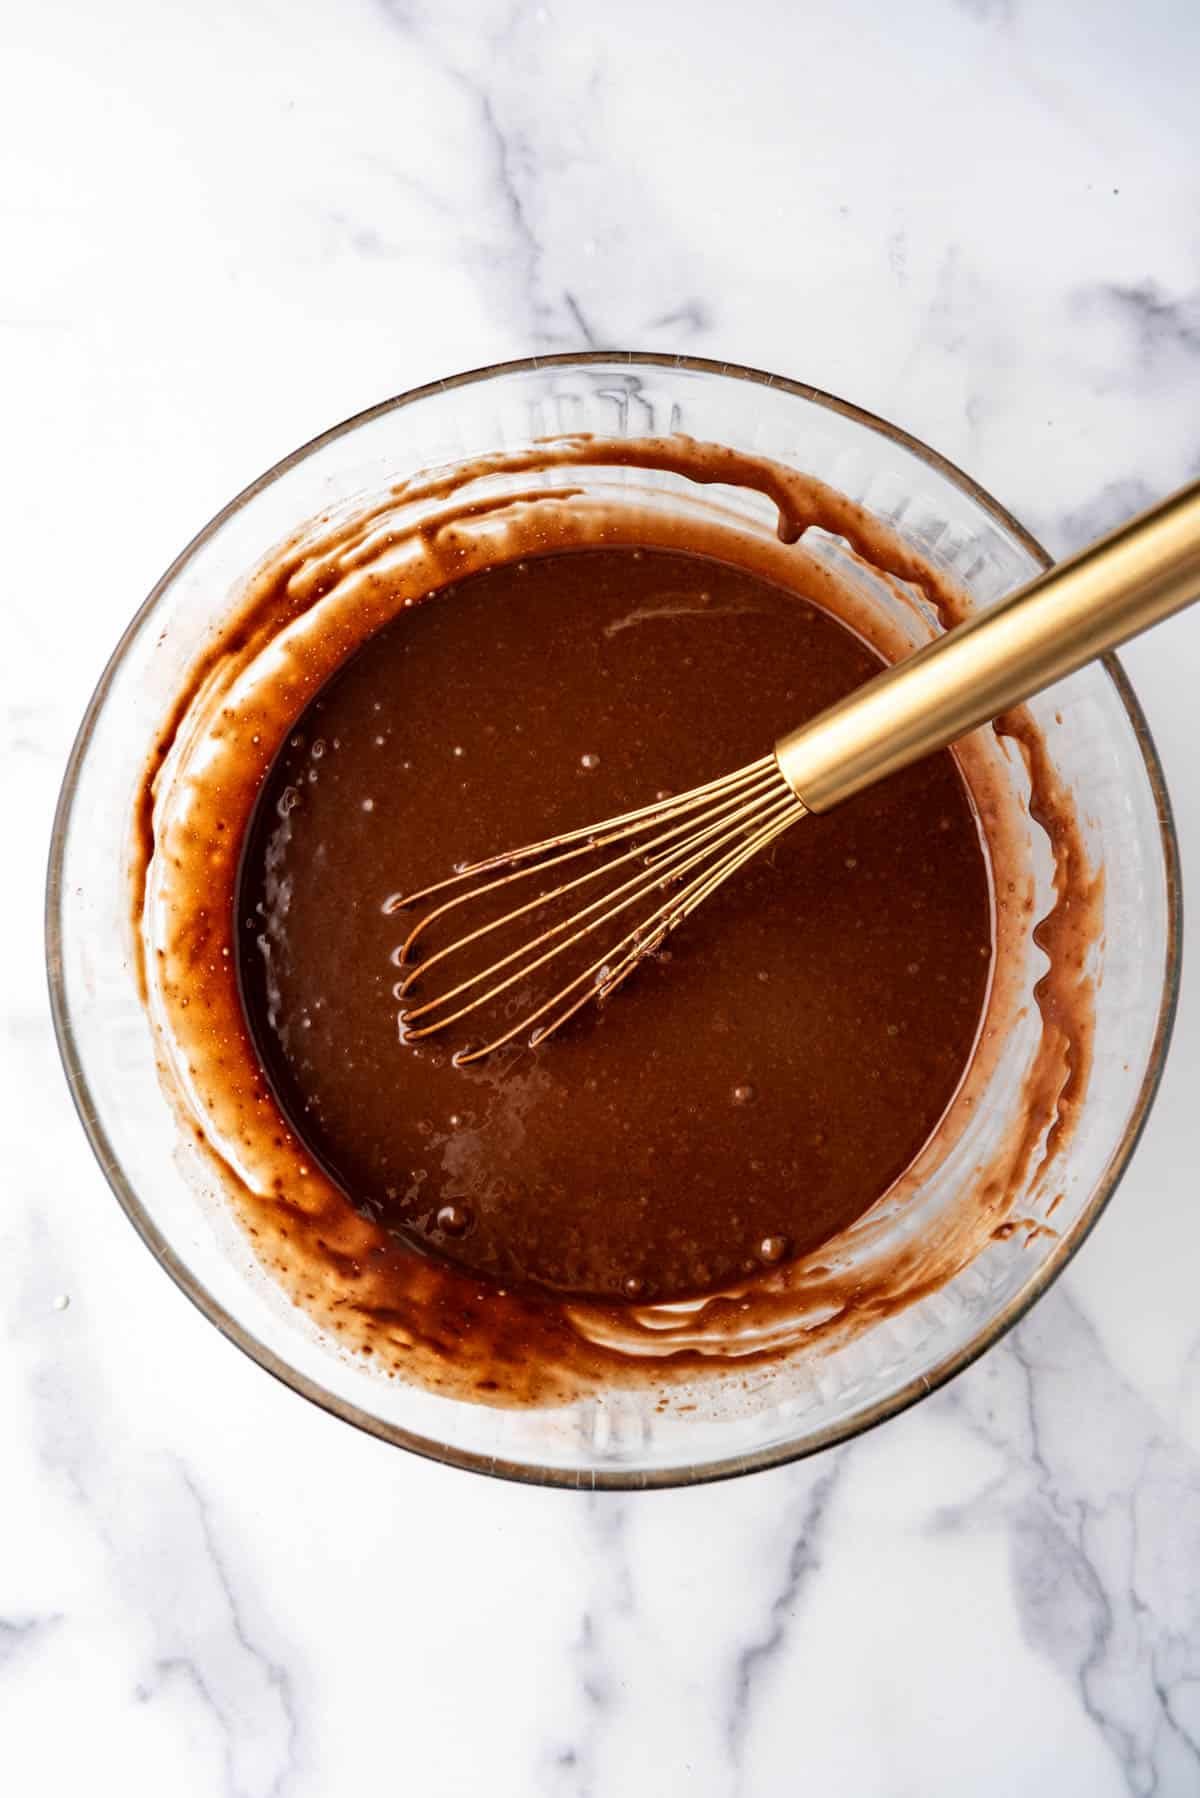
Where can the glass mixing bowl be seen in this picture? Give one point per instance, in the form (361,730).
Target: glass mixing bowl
(1101,750)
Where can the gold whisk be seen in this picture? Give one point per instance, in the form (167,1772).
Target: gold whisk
(672,854)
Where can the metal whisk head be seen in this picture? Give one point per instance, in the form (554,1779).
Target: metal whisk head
(657,863)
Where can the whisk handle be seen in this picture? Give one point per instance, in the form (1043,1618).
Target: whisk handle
(1141,573)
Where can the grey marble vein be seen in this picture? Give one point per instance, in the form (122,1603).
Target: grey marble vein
(512,167)
(544,168)
(170,1578)
(1104,1533)
(1116,502)
(275,1714)
(21,1635)
(586,331)
(691,317)
(803,1562)
(570,1767)
(1159,326)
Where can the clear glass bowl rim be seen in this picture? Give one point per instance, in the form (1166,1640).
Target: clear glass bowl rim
(612,1479)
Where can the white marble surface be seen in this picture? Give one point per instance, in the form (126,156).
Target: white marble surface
(227,225)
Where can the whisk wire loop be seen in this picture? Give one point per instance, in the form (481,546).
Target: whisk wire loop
(683,846)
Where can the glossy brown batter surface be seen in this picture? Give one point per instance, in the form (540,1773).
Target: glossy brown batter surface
(738,1103)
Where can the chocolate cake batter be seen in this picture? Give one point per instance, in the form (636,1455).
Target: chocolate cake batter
(747,1096)
(301,1115)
